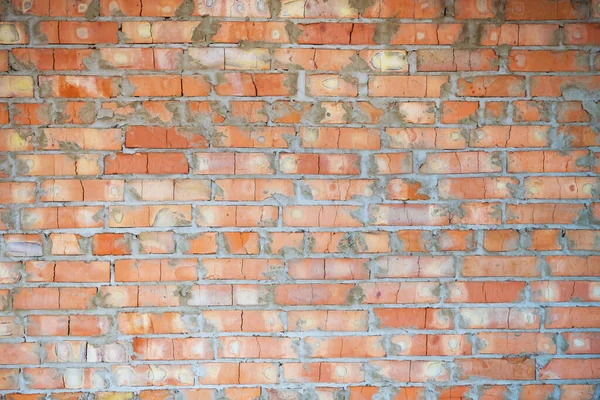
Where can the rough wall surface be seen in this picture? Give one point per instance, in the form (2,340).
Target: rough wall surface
(301,199)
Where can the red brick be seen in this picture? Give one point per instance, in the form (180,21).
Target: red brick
(406,86)
(87,32)
(491,86)
(544,60)
(510,368)
(542,10)
(273,198)
(78,86)
(457,60)
(325,33)
(155,85)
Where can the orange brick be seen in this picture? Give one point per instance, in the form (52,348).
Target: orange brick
(277,197)
(71,86)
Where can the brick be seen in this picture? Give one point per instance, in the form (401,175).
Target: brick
(568,369)
(146,216)
(20,353)
(25,59)
(500,266)
(456,112)
(325,33)
(417,112)
(565,317)
(571,111)
(32,114)
(426,138)
(457,60)
(578,136)
(263,137)
(71,32)
(36,298)
(59,164)
(97,271)
(77,298)
(273,198)
(437,345)
(235,32)
(181,375)
(500,318)
(538,34)
(554,86)
(543,60)
(51,378)
(404,9)
(71,59)
(414,266)
(383,61)
(477,213)
(405,86)
(477,188)
(86,138)
(461,163)
(8,379)
(129,8)
(4,61)
(472,9)
(16,86)
(328,269)
(48,31)
(501,240)
(572,266)
(331,85)
(243,216)
(530,111)
(128,58)
(542,213)
(155,85)
(110,243)
(4,115)
(485,292)
(325,216)
(405,318)
(48,325)
(560,187)
(488,86)
(330,372)
(408,215)
(566,291)
(13,33)
(512,368)
(510,136)
(328,320)
(582,34)
(162,9)
(394,163)
(542,10)
(71,86)
(17,192)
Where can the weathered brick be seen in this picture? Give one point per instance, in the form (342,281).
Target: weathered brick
(333,199)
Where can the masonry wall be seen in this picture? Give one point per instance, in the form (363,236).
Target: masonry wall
(299,199)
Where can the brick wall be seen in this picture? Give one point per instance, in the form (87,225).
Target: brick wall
(299,199)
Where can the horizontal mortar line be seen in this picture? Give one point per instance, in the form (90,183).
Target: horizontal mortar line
(194,309)
(385,335)
(586,46)
(299,229)
(447,19)
(205,283)
(296,335)
(305,359)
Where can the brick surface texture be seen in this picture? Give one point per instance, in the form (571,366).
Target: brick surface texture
(299,199)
